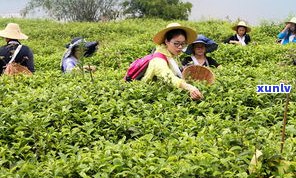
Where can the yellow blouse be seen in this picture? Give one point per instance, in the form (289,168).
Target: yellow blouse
(159,68)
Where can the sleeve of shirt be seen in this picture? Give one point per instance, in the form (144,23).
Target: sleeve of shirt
(159,68)
(2,59)
(247,39)
(282,35)
(186,61)
(228,39)
(30,62)
(213,62)
(68,65)
(26,58)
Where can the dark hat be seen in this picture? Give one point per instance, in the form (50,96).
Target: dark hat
(90,47)
(210,44)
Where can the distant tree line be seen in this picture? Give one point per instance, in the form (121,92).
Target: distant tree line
(104,10)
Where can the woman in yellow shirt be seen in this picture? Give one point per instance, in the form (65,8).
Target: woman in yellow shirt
(170,42)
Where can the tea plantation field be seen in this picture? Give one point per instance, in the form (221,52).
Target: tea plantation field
(56,125)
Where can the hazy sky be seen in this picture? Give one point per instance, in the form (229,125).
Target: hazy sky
(11,6)
(253,11)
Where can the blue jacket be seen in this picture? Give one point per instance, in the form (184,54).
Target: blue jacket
(284,36)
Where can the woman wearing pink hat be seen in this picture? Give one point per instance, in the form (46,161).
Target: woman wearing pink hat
(12,34)
(241,37)
(287,35)
(170,42)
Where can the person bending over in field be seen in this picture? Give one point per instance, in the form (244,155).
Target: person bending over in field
(77,49)
(12,34)
(288,34)
(170,41)
(241,37)
(198,50)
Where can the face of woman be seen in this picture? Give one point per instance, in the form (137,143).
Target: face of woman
(199,49)
(176,44)
(241,31)
(77,53)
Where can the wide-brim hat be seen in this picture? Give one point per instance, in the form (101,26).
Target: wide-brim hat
(159,38)
(13,31)
(209,44)
(90,47)
(241,24)
(293,20)
(198,73)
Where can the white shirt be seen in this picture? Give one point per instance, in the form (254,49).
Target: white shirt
(195,61)
(291,38)
(241,39)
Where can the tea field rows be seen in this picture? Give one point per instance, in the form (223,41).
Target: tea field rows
(57,125)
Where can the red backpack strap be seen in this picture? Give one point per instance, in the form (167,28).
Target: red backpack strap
(160,55)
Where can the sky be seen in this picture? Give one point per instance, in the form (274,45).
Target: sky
(252,11)
(11,7)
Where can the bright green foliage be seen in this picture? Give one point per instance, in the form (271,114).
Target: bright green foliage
(57,125)
(164,9)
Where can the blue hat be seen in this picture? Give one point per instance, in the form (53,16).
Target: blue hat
(210,44)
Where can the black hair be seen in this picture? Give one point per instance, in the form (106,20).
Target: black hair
(175,32)
(290,31)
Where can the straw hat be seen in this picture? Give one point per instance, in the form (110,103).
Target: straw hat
(200,73)
(209,44)
(293,20)
(13,31)
(190,33)
(241,24)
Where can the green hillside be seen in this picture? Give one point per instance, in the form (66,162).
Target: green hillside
(56,125)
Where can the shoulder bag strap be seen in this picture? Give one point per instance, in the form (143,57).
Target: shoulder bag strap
(207,63)
(15,53)
(160,55)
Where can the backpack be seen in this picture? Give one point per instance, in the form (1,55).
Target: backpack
(137,69)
